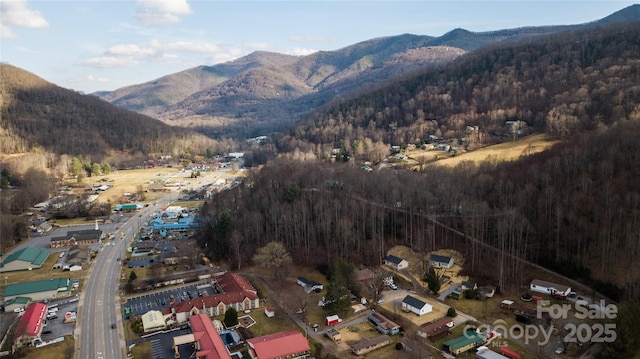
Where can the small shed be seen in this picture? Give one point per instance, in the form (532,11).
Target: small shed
(332,320)
(269,312)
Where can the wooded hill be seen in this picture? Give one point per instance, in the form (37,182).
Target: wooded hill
(574,208)
(37,116)
(563,84)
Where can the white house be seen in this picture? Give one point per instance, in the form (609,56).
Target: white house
(438,261)
(545,287)
(415,305)
(395,262)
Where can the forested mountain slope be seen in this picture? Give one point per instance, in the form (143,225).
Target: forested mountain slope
(266,92)
(563,84)
(38,116)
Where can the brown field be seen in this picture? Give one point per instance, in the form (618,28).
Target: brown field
(507,151)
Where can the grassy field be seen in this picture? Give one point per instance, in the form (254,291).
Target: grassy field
(507,151)
(61,350)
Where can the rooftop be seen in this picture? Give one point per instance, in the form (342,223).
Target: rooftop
(32,320)
(393,259)
(413,301)
(37,256)
(211,345)
(17,289)
(279,345)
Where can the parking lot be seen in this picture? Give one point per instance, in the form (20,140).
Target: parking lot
(57,327)
(162,298)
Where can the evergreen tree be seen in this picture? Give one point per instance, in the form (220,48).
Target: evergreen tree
(231,317)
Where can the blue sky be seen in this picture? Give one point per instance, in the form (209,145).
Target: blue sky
(104,45)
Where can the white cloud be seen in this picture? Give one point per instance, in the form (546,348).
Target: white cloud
(186,46)
(16,13)
(162,12)
(299,38)
(257,45)
(109,61)
(131,50)
(298,51)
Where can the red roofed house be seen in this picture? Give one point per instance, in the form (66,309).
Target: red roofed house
(209,345)
(31,324)
(237,292)
(289,344)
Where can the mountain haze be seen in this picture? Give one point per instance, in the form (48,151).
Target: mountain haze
(265,92)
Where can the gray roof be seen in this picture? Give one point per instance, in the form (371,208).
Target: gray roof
(369,342)
(440,259)
(393,259)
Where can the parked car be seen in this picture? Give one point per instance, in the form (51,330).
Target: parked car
(526,297)
(113,326)
(18,310)
(559,350)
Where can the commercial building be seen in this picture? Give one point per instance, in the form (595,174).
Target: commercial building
(39,290)
(24,259)
(31,324)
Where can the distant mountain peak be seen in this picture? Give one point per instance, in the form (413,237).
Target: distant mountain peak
(629,13)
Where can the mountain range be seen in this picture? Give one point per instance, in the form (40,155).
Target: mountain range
(265,92)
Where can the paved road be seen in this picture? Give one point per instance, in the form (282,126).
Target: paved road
(100,302)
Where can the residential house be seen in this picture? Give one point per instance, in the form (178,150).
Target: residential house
(30,324)
(415,305)
(366,345)
(545,287)
(384,324)
(24,259)
(439,261)
(436,329)
(485,353)
(288,344)
(309,285)
(464,343)
(364,274)
(396,263)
